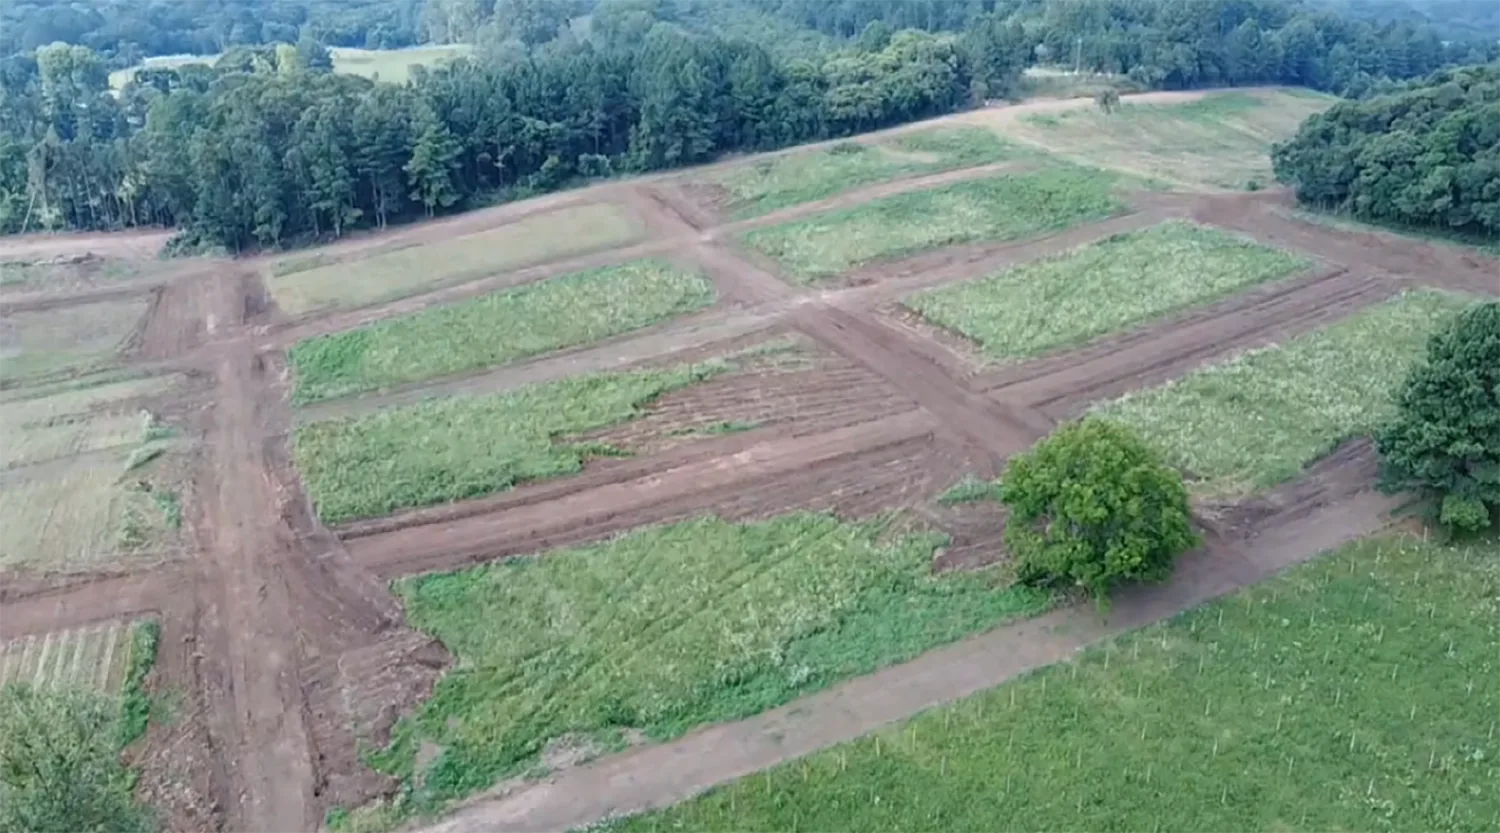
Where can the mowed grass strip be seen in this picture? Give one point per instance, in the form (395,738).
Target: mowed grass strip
(1100,288)
(791,179)
(494,329)
(668,627)
(1352,693)
(995,208)
(1260,418)
(467,446)
(393,274)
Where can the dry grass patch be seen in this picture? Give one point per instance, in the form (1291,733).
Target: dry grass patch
(66,339)
(394,274)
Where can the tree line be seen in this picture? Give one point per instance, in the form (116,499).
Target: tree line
(1426,154)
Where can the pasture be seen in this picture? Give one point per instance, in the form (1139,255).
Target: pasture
(303,284)
(1347,694)
(1117,283)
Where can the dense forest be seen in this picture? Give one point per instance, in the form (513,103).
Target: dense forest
(269,146)
(1426,154)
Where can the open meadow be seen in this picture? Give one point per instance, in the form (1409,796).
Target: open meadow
(694,476)
(391,65)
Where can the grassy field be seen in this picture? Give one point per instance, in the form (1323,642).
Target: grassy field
(303,284)
(79,516)
(1353,693)
(1107,286)
(495,329)
(75,338)
(1222,140)
(1261,417)
(789,179)
(75,421)
(393,65)
(28,275)
(93,657)
(996,208)
(466,446)
(669,627)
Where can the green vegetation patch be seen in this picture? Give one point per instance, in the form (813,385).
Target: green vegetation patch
(791,179)
(1106,286)
(995,208)
(135,704)
(466,446)
(969,489)
(302,283)
(494,329)
(70,339)
(1352,693)
(668,627)
(1261,417)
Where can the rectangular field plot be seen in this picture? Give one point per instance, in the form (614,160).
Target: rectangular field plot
(75,421)
(303,284)
(1347,694)
(996,208)
(1260,418)
(495,329)
(668,627)
(1107,286)
(56,275)
(790,179)
(66,339)
(1221,140)
(78,516)
(92,657)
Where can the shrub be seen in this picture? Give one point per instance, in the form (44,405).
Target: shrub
(1092,506)
(1444,443)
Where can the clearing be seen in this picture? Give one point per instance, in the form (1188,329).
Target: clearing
(1219,140)
(1116,283)
(393,65)
(535,318)
(1261,417)
(998,208)
(70,339)
(1346,694)
(668,627)
(775,182)
(302,283)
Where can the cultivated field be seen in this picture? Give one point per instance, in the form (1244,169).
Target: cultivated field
(1348,694)
(93,657)
(736,429)
(301,284)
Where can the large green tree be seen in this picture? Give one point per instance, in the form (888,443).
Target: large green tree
(1445,441)
(1092,506)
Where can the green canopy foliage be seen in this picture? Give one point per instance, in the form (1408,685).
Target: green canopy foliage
(1445,441)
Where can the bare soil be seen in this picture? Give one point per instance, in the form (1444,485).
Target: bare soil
(288,654)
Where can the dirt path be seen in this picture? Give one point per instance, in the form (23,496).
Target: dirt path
(661,775)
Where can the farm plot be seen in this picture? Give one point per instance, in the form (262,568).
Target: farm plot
(303,284)
(997,208)
(80,420)
(1347,694)
(93,657)
(82,515)
(66,339)
(71,273)
(1103,287)
(665,628)
(789,179)
(1261,417)
(495,329)
(1221,140)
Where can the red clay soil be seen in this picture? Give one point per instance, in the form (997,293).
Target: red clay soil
(291,655)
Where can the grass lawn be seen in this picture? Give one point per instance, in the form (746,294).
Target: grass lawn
(467,446)
(1261,417)
(668,627)
(996,208)
(1352,693)
(495,329)
(66,339)
(303,283)
(790,179)
(78,420)
(1111,285)
(1222,140)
